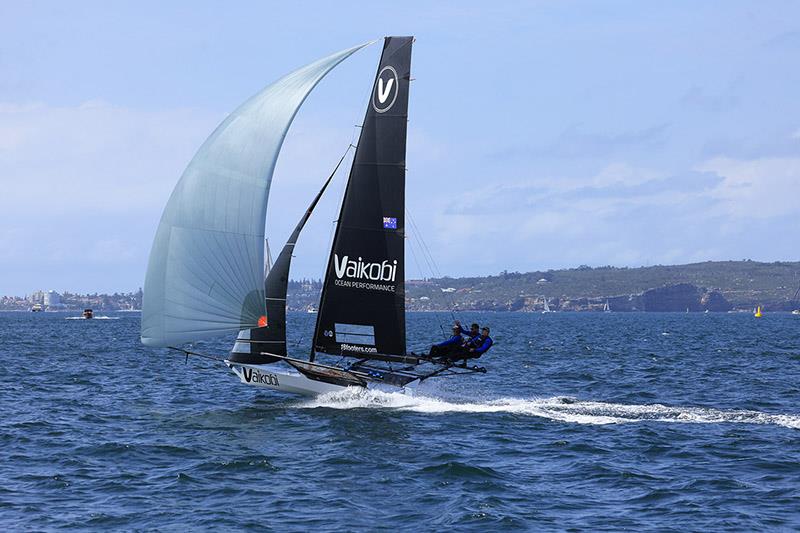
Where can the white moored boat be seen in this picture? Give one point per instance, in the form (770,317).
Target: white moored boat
(206,274)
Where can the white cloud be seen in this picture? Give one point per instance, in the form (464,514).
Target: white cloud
(624,174)
(756,188)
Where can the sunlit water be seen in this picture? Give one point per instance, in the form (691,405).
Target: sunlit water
(588,421)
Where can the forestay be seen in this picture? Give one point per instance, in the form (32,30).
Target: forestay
(206,267)
(252,345)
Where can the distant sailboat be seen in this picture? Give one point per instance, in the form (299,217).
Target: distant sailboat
(606,307)
(546,306)
(206,272)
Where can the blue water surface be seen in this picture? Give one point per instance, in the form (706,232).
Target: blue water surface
(584,422)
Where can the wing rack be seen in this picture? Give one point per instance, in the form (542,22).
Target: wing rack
(364,371)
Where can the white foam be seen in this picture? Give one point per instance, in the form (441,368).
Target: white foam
(558,408)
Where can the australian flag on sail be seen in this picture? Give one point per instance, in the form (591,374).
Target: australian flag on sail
(389,223)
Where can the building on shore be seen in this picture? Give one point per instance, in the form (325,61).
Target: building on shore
(52,299)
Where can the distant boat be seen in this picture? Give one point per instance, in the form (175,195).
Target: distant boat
(37,308)
(88,313)
(757,314)
(546,306)
(311,310)
(796,312)
(606,307)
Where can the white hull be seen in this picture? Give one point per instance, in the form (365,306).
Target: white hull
(281,377)
(278,376)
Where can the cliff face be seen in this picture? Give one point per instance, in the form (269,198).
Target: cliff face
(714,301)
(670,298)
(680,297)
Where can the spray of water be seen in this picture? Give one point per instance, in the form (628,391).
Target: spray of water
(559,408)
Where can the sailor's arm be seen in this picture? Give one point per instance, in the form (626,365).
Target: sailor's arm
(480,350)
(455,339)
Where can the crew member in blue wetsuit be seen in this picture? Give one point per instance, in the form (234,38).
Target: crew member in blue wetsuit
(473,348)
(472,334)
(482,344)
(443,349)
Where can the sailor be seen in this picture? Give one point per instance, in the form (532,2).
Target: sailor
(447,347)
(484,342)
(472,334)
(474,347)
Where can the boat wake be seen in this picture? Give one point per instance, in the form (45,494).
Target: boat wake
(558,408)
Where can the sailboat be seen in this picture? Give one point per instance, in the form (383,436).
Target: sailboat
(546,305)
(205,275)
(606,308)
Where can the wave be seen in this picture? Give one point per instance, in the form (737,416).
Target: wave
(103,317)
(558,408)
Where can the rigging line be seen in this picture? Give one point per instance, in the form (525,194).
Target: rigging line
(355,134)
(415,232)
(414,256)
(435,266)
(431,262)
(335,169)
(342,192)
(419,267)
(411,243)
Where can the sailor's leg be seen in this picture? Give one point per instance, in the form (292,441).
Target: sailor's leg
(437,351)
(457,352)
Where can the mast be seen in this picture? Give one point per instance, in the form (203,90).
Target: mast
(271,336)
(362,306)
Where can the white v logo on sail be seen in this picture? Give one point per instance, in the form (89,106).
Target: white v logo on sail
(383,95)
(386,89)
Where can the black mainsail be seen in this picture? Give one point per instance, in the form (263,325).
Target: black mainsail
(362,308)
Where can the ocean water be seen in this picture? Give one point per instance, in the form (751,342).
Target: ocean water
(583,422)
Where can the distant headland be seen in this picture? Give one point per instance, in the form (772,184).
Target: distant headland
(714,286)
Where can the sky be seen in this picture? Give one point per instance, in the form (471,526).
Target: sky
(541,134)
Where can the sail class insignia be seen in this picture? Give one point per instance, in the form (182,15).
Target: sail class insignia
(386,89)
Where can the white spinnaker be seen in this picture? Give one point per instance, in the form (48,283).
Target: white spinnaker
(205,276)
